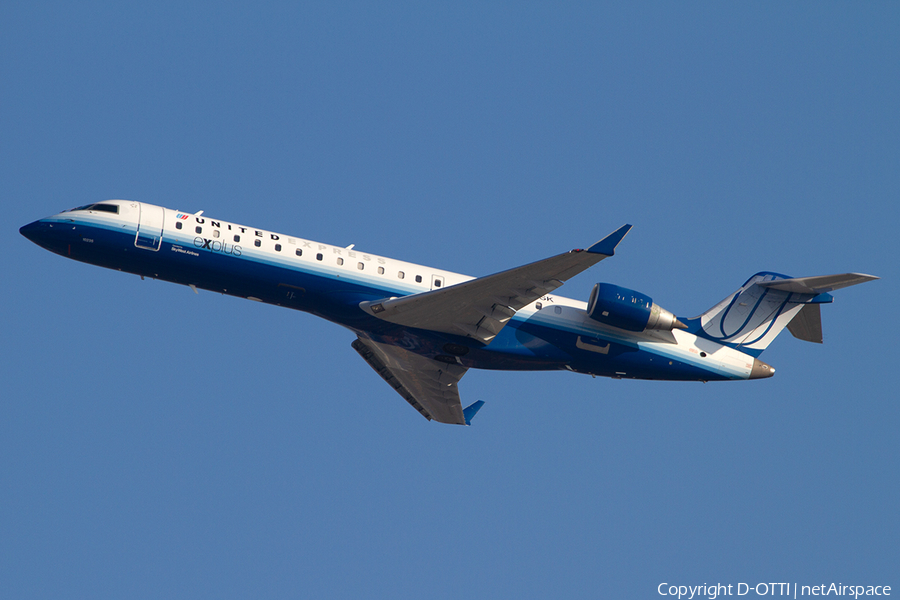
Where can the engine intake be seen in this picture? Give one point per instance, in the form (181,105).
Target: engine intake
(627,309)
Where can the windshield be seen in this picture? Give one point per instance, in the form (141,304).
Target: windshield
(110,208)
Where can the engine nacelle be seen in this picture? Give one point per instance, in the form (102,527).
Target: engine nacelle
(630,310)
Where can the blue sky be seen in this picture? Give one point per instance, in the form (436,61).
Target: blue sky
(157,443)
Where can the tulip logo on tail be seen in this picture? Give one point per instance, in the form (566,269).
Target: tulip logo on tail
(753,315)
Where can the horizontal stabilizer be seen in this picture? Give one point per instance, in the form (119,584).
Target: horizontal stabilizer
(817,285)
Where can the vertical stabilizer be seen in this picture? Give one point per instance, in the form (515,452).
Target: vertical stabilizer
(754,315)
(807,325)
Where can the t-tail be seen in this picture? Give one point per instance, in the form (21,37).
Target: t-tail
(750,318)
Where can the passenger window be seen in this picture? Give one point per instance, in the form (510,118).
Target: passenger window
(319,256)
(237,238)
(215,233)
(198,229)
(178,225)
(539,306)
(340,260)
(298,252)
(437,283)
(557,310)
(257,243)
(381,270)
(360,266)
(400,274)
(277,247)
(418,279)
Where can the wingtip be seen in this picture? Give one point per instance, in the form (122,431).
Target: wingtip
(469,411)
(608,244)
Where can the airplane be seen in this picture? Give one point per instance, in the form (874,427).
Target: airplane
(422,328)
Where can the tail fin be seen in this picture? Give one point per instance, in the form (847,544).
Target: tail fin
(753,316)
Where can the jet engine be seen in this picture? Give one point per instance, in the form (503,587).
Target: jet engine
(627,309)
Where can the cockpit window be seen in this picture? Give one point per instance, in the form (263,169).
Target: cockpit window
(110,208)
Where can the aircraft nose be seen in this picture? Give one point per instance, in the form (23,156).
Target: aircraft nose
(44,235)
(32,231)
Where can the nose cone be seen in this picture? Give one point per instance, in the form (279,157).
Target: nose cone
(45,235)
(760,370)
(31,231)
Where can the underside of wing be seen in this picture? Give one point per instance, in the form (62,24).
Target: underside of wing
(428,385)
(481,307)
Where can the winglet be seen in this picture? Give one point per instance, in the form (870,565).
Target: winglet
(470,411)
(608,244)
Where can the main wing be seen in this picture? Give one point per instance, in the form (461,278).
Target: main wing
(478,308)
(428,385)
(481,307)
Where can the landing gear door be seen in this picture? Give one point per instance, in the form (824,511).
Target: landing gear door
(150,227)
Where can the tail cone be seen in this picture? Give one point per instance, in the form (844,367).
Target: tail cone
(760,370)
